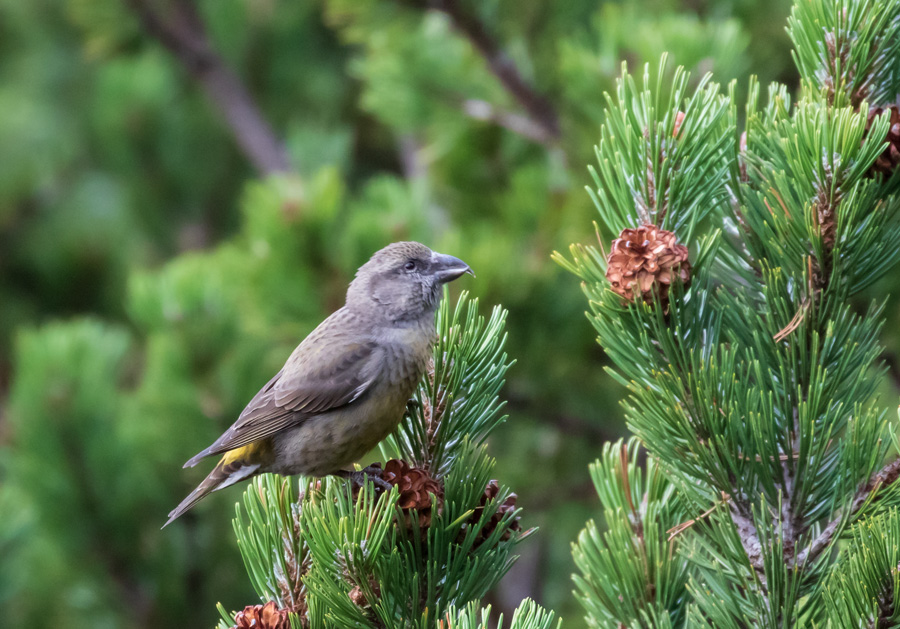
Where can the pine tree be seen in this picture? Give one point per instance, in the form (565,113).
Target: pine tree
(759,489)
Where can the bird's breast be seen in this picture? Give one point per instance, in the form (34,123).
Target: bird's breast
(407,350)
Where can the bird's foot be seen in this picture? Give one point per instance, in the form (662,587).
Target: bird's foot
(371,473)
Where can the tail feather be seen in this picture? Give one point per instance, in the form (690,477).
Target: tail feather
(196,458)
(225,473)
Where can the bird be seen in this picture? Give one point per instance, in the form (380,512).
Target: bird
(348,383)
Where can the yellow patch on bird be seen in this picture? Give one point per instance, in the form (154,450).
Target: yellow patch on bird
(256,452)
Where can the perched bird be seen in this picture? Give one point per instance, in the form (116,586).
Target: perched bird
(346,386)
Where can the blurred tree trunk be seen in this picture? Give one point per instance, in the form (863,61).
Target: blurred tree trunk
(182,32)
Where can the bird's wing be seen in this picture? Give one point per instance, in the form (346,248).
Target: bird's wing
(317,378)
(326,376)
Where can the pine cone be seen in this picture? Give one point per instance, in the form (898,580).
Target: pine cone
(888,161)
(490,493)
(415,485)
(643,261)
(266,616)
(358,597)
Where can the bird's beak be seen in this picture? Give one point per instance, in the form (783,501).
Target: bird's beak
(447,268)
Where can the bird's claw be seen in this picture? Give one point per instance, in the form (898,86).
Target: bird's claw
(359,477)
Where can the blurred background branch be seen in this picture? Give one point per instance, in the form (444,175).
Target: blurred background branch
(517,123)
(541,122)
(179,27)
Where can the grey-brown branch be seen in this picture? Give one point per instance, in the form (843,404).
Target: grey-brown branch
(544,121)
(180,29)
(884,478)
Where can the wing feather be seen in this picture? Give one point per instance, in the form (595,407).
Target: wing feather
(327,378)
(318,377)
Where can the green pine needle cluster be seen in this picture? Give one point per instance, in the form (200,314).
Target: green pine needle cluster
(529,615)
(847,49)
(863,587)
(754,387)
(672,173)
(627,567)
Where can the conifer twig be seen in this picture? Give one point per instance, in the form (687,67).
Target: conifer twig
(183,33)
(675,531)
(749,536)
(525,126)
(884,478)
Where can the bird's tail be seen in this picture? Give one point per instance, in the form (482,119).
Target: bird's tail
(227,472)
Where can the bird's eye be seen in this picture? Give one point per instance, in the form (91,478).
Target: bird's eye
(410,265)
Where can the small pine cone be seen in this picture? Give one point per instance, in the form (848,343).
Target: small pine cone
(358,596)
(415,486)
(643,261)
(266,616)
(490,493)
(888,161)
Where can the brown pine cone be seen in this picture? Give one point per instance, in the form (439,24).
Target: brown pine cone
(266,616)
(888,161)
(490,493)
(415,486)
(643,261)
(358,596)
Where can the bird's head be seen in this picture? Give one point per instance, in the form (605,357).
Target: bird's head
(403,281)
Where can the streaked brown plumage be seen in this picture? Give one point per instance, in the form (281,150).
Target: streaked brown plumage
(346,385)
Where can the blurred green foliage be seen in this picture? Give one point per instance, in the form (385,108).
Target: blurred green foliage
(151,281)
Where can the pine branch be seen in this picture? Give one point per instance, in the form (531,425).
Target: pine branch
(183,33)
(864,584)
(541,123)
(663,156)
(517,123)
(793,524)
(884,478)
(848,48)
(640,506)
(746,530)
